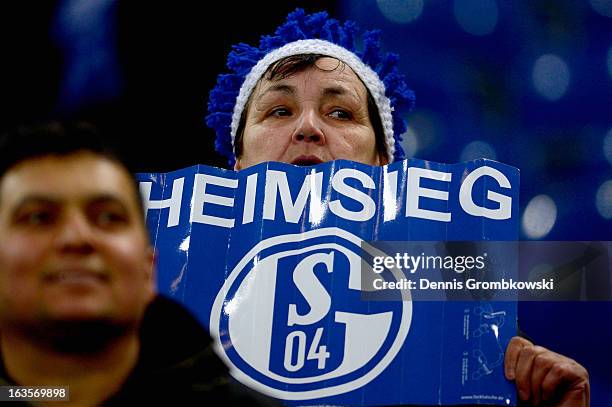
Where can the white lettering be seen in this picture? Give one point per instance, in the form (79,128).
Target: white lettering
(311,288)
(173,203)
(277,181)
(415,192)
(468,205)
(389,195)
(369,207)
(200,197)
(249,199)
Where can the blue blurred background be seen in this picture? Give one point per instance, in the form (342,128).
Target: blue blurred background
(526,83)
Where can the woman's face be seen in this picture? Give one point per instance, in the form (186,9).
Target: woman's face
(316,115)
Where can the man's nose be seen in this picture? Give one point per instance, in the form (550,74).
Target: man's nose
(309,128)
(75,234)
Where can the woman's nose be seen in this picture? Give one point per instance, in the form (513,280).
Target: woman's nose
(309,128)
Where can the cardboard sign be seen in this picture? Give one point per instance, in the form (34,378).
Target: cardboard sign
(270,260)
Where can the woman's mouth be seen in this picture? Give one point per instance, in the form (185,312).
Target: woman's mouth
(306,160)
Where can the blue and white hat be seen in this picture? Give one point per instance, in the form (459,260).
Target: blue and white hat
(314,33)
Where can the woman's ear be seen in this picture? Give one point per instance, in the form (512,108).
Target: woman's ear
(382,158)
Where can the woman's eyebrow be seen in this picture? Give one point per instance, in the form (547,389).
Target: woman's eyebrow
(333,91)
(282,88)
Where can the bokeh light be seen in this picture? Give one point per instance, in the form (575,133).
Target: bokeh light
(603,200)
(539,217)
(607,146)
(603,7)
(478,149)
(477,17)
(551,77)
(410,142)
(610,61)
(401,11)
(427,126)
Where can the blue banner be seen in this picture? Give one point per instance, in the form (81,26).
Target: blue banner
(269,259)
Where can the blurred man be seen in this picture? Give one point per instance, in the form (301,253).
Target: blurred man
(78,306)
(307,97)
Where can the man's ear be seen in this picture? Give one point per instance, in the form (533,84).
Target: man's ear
(152,271)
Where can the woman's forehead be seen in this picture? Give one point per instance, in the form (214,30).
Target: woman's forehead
(329,76)
(330,64)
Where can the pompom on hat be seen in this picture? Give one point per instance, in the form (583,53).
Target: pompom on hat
(314,33)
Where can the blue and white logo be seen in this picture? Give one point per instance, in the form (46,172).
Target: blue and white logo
(289,320)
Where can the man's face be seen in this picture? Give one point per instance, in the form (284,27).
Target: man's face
(72,243)
(316,115)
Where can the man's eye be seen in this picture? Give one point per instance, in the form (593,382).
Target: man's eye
(340,114)
(280,112)
(110,218)
(37,218)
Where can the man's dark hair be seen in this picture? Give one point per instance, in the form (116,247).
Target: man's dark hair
(60,139)
(293,64)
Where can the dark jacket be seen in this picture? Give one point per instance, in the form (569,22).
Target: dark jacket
(176,366)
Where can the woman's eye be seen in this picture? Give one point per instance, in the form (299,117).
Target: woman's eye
(280,112)
(340,114)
